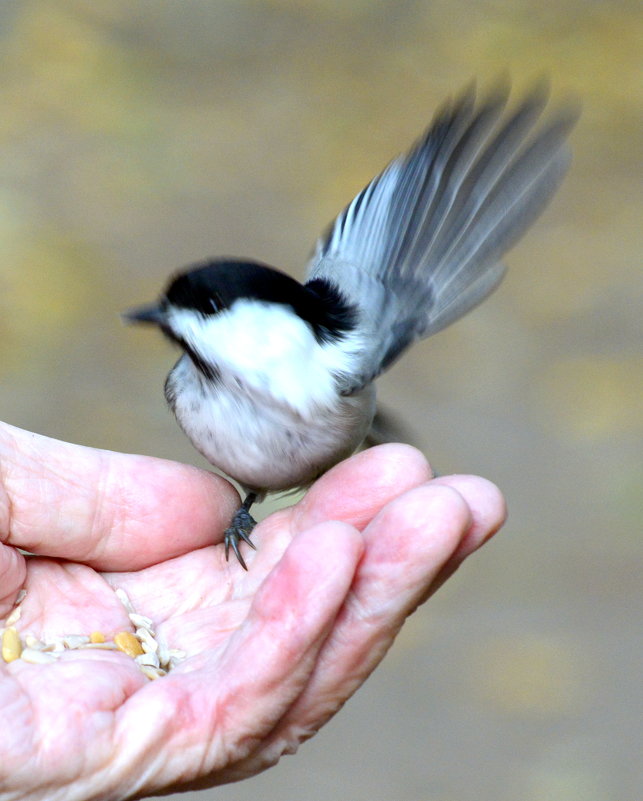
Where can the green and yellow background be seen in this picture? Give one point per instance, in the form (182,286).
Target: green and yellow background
(137,136)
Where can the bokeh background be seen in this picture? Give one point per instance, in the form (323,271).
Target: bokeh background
(138,136)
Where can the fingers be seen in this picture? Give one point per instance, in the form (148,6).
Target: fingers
(215,714)
(356,489)
(110,510)
(488,513)
(409,544)
(294,607)
(13,571)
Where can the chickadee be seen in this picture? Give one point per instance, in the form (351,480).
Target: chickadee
(275,383)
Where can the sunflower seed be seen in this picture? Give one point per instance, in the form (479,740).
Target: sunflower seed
(73,641)
(147,641)
(163,652)
(37,657)
(124,599)
(14,616)
(151,660)
(152,672)
(141,622)
(101,646)
(37,645)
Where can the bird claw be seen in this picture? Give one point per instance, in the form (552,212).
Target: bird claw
(240,529)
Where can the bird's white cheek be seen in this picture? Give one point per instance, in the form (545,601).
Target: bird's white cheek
(263,342)
(258,337)
(267,349)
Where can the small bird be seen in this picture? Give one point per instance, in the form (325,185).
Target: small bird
(275,384)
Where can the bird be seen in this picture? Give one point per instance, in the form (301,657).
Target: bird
(275,382)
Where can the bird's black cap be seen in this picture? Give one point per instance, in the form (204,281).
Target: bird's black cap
(215,285)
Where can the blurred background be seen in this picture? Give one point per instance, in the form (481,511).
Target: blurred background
(136,137)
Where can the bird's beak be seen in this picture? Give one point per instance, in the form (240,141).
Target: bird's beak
(151,313)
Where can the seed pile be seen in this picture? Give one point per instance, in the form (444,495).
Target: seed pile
(152,655)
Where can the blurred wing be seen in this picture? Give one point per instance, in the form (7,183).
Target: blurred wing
(420,245)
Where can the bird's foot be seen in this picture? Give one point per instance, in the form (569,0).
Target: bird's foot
(240,529)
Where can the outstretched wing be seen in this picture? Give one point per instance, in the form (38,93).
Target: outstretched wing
(421,244)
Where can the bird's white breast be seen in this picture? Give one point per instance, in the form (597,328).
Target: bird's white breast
(272,351)
(262,445)
(272,418)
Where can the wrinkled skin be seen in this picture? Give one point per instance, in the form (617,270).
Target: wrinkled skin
(272,653)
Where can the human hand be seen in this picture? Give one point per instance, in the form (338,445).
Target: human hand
(272,654)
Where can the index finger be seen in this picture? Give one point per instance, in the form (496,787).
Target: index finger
(113,511)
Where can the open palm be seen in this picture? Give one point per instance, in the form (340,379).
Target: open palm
(271,654)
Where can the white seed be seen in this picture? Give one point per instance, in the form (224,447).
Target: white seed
(74,641)
(32,641)
(147,641)
(37,657)
(140,621)
(101,646)
(22,594)
(14,616)
(152,672)
(163,652)
(148,659)
(124,599)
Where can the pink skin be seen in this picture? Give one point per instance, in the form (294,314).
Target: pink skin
(272,653)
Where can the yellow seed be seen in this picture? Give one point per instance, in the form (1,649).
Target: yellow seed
(97,636)
(11,645)
(127,642)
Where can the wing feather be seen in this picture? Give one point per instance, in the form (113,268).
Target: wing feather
(421,244)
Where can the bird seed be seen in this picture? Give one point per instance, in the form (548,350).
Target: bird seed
(153,656)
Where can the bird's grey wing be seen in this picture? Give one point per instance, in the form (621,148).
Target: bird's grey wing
(421,244)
